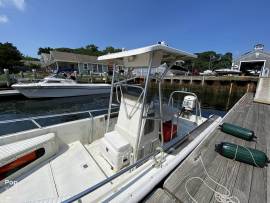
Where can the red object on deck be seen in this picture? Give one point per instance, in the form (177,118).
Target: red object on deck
(168,127)
(19,163)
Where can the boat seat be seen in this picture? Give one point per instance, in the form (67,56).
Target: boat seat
(13,151)
(116,150)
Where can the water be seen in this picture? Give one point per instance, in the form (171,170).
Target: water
(214,100)
(17,108)
(21,107)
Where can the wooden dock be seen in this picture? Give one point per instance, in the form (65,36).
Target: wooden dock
(211,79)
(9,93)
(247,183)
(263,91)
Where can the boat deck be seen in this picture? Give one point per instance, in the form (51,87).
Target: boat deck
(247,183)
(57,182)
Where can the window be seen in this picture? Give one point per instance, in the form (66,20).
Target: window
(99,68)
(85,66)
(53,81)
(90,67)
(105,68)
(95,68)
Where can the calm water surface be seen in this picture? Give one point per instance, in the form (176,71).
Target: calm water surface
(213,100)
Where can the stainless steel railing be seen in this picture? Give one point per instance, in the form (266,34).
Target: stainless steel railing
(36,123)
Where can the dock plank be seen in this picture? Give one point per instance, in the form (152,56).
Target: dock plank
(267,130)
(258,187)
(226,169)
(244,177)
(162,196)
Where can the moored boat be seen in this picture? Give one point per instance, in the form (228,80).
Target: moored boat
(59,87)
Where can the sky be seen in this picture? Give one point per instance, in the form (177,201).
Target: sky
(190,25)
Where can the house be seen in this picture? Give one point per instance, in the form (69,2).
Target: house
(58,61)
(255,62)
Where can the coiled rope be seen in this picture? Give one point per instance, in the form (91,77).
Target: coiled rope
(226,197)
(220,197)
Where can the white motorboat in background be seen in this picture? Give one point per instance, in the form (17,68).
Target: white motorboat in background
(208,73)
(111,157)
(59,87)
(179,70)
(227,71)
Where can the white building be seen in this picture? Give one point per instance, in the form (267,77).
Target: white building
(68,62)
(255,62)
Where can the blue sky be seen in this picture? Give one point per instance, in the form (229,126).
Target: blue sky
(195,26)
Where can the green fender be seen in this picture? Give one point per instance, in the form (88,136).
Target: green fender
(244,154)
(238,131)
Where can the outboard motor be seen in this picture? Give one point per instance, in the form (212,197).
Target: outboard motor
(188,105)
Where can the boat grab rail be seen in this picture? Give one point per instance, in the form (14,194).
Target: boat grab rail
(126,85)
(124,81)
(198,106)
(136,106)
(33,119)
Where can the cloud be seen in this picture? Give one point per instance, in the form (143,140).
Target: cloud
(19,4)
(3,19)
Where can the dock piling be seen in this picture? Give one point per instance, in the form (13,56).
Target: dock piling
(8,81)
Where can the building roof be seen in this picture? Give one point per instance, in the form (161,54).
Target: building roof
(59,56)
(71,57)
(253,52)
(30,62)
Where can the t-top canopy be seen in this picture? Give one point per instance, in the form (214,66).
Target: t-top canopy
(141,57)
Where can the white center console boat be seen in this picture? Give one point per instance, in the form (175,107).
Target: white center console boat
(59,87)
(108,158)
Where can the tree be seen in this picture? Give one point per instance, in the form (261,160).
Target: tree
(29,58)
(212,60)
(91,50)
(64,49)
(10,56)
(111,49)
(92,47)
(44,50)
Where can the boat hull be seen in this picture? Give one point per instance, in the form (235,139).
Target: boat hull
(56,91)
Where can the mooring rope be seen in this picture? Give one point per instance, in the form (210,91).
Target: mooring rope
(226,197)
(251,154)
(220,197)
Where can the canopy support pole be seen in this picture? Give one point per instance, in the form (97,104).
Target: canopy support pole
(161,112)
(110,102)
(140,130)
